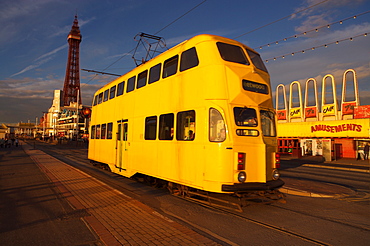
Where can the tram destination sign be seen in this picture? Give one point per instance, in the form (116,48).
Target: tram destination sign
(255,87)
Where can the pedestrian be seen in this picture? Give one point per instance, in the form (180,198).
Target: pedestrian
(366,151)
(2,142)
(7,143)
(16,142)
(361,152)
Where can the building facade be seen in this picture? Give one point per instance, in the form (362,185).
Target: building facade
(309,128)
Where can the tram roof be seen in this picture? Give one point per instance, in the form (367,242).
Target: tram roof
(194,40)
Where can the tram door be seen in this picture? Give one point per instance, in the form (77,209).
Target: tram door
(122,145)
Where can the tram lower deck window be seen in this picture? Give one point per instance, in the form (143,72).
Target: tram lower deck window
(93,132)
(103,131)
(185,128)
(109,130)
(245,116)
(166,126)
(150,128)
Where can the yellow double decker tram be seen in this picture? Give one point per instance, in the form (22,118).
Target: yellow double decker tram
(198,116)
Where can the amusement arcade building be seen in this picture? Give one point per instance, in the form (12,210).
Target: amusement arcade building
(334,132)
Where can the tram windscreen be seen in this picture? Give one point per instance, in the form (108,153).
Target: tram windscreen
(268,123)
(232,53)
(257,61)
(245,116)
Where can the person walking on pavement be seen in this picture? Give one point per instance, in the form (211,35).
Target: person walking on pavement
(366,151)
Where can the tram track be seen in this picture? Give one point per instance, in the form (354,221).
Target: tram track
(268,226)
(78,159)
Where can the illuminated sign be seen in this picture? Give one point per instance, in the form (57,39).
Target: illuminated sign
(362,112)
(295,112)
(348,108)
(337,128)
(310,112)
(255,87)
(281,114)
(328,109)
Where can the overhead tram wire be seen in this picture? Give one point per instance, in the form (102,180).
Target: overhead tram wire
(181,17)
(258,28)
(154,34)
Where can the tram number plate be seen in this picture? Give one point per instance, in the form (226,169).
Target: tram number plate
(255,87)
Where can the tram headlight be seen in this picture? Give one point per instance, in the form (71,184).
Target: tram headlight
(242,177)
(275,174)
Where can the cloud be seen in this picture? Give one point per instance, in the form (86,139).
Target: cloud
(14,9)
(52,52)
(41,60)
(63,31)
(33,66)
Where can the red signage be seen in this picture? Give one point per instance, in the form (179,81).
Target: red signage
(362,112)
(281,114)
(337,128)
(310,112)
(348,108)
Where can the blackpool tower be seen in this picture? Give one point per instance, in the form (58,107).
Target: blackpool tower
(71,89)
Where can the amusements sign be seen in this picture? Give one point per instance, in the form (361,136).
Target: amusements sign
(362,112)
(358,128)
(281,114)
(348,108)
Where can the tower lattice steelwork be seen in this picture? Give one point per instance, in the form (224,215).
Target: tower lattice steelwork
(71,90)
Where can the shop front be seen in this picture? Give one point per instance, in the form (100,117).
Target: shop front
(332,139)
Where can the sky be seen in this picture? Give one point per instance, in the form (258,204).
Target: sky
(34,48)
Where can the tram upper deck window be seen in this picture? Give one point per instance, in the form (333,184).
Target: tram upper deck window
(141,79)
(131,84)
(106,93)
(245,117)
(155,73)
(256,60)
(95,100)
(185,125)
(232,53)
(170,66)
(100,98)
(112,92)
(268,123)
(120,88)
(189,59)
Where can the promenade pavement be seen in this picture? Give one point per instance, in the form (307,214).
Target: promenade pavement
(47,202)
